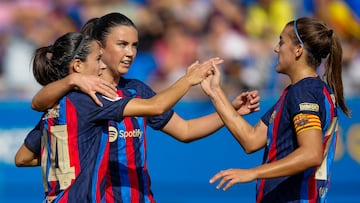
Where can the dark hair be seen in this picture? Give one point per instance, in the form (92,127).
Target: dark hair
(52,63)
(321,42)
(99,28)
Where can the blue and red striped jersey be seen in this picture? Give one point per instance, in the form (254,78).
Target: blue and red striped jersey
(75,148)
(307,104)
(128,178)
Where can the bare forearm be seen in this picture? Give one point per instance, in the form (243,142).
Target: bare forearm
(294,163)
(194,129)
(233,121)
(202,127)
(159,103)
(167,98)
(51,93)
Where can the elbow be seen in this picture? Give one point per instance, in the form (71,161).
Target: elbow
(316,160)
(33,106)
(19,162)
(185,140)
(249,150)
(250,147)
(37,107)
(158,109)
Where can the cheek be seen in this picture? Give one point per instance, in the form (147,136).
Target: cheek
(106,58)
(95,69)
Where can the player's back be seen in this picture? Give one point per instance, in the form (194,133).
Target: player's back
(75,151)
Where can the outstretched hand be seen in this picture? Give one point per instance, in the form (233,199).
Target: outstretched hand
(233,176)
(212,81)
(197,72)
(92,84)
(247,102)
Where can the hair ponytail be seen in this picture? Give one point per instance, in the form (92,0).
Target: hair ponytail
(43,69)
(333,69)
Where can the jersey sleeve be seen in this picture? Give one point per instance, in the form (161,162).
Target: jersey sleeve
(305,98)
(305,104)
(155,122)
(111,109)
(267,116)
(33,139)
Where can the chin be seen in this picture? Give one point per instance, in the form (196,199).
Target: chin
(278,69)
(123,70)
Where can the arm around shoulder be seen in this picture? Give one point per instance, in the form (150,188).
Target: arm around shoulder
(52,92)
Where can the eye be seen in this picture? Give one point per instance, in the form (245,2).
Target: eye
(122,44)
(135,45)
(281,42)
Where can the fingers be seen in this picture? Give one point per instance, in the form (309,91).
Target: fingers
(225,177)
(197,72)
(193,65)
(216,177)
(107,90)
(96,99)
(217,61)
(229,184)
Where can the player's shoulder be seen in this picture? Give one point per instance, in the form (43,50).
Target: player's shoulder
(308,86)
(130,81)
(78,97)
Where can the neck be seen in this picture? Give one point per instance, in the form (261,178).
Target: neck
(303,73)
(107,76)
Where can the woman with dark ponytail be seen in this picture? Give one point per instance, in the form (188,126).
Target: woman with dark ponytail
(299,133)
(73,135)
(68,140)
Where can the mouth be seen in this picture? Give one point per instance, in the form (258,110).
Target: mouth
(126,63)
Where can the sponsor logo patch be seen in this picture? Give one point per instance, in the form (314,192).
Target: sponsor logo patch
(309,107)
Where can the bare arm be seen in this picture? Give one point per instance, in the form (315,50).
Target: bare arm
(166,99)
(309,154)
(24,157)
(52,92)
(194,129)
(251,138)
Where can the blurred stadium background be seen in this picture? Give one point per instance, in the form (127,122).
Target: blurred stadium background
(173,33)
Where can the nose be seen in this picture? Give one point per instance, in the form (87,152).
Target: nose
(102,67)
(276,48)
(130,51)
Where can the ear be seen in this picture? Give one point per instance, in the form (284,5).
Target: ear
(299,49)
(77,65)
